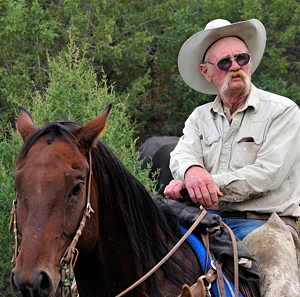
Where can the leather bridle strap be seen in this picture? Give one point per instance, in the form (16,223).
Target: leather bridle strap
(172,251)
(13,225)
(235,261)
(86,215)
(71,253)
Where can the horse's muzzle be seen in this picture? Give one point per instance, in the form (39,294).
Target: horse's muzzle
(40,285)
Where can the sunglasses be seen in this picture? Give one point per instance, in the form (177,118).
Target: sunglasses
(225,63)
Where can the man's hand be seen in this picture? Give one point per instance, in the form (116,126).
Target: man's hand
(172,190)
(201,187)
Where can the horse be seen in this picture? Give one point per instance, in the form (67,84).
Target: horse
(156,151)
(70,187)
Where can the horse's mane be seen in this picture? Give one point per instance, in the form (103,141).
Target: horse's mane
(144,220)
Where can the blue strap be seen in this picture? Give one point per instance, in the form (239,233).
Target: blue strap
(201,254)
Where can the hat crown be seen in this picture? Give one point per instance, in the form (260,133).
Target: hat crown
(217,24)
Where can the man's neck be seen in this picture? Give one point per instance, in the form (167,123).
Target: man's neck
(234,101)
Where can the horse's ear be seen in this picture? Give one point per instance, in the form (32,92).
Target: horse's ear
(25,124)
(186,292)
(89,133)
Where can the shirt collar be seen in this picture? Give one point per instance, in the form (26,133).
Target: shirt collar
(252,100)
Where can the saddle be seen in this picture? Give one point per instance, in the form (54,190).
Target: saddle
(218,241)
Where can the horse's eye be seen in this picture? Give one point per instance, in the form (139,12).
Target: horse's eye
(77,189)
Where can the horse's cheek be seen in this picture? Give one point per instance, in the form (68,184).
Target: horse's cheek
(72,215)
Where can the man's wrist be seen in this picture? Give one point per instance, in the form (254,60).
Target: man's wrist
(192,167)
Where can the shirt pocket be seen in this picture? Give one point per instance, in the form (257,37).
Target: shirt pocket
(245,152)
(210,150)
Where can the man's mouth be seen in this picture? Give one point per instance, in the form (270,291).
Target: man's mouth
(236,78)
(236,74)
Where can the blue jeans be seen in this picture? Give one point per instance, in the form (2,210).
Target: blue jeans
(238,223)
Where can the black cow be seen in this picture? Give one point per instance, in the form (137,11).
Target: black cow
(157,150)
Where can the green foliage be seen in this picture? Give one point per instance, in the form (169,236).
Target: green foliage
(170,92)
(7,153)
(27,32)
(73,94)
(116,36)
(137,44)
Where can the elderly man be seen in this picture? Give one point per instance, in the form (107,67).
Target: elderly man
(239,156)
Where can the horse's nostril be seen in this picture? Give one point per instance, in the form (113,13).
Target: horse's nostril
(16,285)
(40,285)
(44,286)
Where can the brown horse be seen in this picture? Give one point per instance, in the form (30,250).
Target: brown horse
(122,240)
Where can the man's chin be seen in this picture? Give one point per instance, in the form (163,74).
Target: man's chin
(237,83)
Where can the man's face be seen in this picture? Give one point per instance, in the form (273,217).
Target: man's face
(234,80)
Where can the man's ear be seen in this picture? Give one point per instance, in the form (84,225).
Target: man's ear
(204,70)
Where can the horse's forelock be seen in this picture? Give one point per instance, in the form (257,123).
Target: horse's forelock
(54,129)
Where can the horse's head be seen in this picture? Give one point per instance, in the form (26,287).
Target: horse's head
(51,183)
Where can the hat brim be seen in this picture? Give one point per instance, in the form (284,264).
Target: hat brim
(191,54)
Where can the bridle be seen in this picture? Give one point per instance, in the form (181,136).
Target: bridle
(71,254)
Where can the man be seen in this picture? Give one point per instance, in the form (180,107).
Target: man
(239,156)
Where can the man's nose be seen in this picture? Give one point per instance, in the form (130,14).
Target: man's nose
(234,65)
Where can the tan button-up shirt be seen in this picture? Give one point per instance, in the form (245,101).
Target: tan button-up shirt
(255,159)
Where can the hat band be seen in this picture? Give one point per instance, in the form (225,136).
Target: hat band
(203,60)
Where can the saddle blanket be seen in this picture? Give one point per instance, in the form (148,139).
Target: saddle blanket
(200,251)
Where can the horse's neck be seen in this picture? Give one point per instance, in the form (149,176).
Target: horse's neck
(108,268)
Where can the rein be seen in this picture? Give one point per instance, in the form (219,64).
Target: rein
(171,252)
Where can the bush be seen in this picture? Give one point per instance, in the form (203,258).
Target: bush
(73,94)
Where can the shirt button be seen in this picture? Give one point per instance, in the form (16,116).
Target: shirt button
(223,164)
(226,143)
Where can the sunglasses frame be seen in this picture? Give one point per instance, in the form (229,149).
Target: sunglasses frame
(230,59)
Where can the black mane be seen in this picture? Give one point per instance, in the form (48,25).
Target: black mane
(144,220)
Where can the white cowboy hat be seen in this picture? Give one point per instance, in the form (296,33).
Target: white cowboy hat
(191,55)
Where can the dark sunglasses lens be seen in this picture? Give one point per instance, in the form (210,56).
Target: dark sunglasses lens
(242,59)
(224,64)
